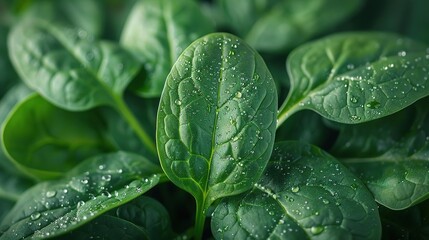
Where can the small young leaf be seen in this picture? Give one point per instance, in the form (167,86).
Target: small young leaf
(216,119)
(159,30)
(391,155)
(89,190)
(34,136)
(304,194)
(356,77)
(108,227)
(278,25)
(70,70)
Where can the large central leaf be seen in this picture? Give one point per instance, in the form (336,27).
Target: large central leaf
(216,120)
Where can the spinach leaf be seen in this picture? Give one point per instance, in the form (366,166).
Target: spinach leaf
(356,77)
(5,206)
(108,227)
(70,70)
(278,25)
(304,194)
(394,164)
(159,30)
(93,187)
(14,95)
(216,120)
(74,71)
(34,136)
(149,214)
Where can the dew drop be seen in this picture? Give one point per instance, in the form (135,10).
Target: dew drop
(178,102)
(84,181)
(373,105)
(238,95)
(317,230)
(295,189)
(355,118)
(106,178)
(50,194)
(354,99)
(325,201)
(80,204)
(35,216)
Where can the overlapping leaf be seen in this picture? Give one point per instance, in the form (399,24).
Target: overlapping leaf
(303,194)
(69,68)
(35,137)
(92,188)
(159,30)
(391,155)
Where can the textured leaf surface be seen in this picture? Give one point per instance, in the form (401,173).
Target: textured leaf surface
(216,121)
(70,69)
(275,25)
(391,155)
(303,194)
(159,30)
(92,188)
(34,136)
(356,77)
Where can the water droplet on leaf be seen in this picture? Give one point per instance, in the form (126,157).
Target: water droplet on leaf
(50,194)
(317,230)
(35,216)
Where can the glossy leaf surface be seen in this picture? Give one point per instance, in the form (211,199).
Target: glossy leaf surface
(70,69)
(391,155)
(34,136)
(159,30)
(277,25)
(303,194)
(356,77)
(92,188)
(216,121)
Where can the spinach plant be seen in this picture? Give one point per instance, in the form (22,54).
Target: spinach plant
(157,119)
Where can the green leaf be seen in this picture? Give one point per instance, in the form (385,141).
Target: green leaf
(149,214)
(356,77)
(89,190)
(108,227)
(69,69)
(14,95)
(159,30)
(82,14)
(34,136)
(391,155)
(216,119)
(304,194)
(278,25)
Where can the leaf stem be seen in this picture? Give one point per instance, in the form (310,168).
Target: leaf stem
(285,112)
(126,113)
(200,218)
